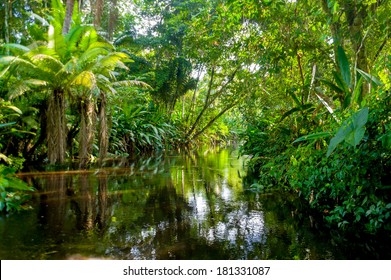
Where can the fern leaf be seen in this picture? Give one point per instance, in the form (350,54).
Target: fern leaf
(47,63)
(132,83)
(85,79)
(16,48)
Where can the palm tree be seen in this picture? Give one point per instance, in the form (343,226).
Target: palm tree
(74,64)
(80,65)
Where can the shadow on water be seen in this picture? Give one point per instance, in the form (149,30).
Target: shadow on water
(172,206)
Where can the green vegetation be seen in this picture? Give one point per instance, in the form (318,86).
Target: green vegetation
(301,85)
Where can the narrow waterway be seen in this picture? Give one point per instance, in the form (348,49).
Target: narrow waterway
(172,206)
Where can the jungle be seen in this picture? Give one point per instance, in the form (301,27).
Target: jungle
(132,119)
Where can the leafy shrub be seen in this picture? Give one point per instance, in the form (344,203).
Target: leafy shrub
(13,191)
(139,128)
(346,178)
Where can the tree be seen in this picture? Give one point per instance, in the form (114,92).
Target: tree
(70,4)
(76,64)
(99,4)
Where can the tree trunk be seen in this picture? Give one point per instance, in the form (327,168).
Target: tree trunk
(43,135)
(56,135)
(212,121)
(103,137)
(206,105)
(99,4)
(112,19)
(68,16)
(210,99)
(87,128)
(6,23)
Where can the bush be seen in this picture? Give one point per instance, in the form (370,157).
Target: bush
(14,193)
(349,184)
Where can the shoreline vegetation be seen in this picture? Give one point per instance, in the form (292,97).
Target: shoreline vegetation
(303,86)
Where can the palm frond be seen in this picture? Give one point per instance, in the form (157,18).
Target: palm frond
(20,66)
(90,56)
(47,63)
(7,60)
(75,37)
(113,60)
(85,79)
(58,11)
(16,49)
(56,41)
(99,44)
(132,83)
(4,71)
(21,87)
(18,89)
(89,37)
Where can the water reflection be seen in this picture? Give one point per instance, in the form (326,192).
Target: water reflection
(176,206)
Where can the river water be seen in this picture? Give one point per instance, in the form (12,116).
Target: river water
(168,206)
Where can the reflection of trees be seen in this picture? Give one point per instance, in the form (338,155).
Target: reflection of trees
(89,205)
(103,213)
(84,203)
(186,207)
(53,203)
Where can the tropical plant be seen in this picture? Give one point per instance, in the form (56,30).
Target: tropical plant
(78,64)
(139,127)
(13,192)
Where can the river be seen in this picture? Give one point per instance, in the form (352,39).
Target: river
(167,206)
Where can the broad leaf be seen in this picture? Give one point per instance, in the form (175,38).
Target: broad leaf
(360,118)
(342,133)
(357,93)
(332,86)
(386,140)
(17,47)
(343,63)
(314,136)
(351,131)
(341,83)
(369,78)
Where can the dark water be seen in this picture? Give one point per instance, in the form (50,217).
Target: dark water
(165,207)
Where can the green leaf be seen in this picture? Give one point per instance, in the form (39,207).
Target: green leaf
(294,97)
(385,140)
(369,78)
(314,136)
(7,124)
(357,93)
(343,131)
(17,47)
(360,118)
(343,63)
(14,108)
(355,136)
(332,86)
(7,60)
(341,83)
(47,63)
(352,130)
(290,112)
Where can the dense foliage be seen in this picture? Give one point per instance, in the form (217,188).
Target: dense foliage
(303,85)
